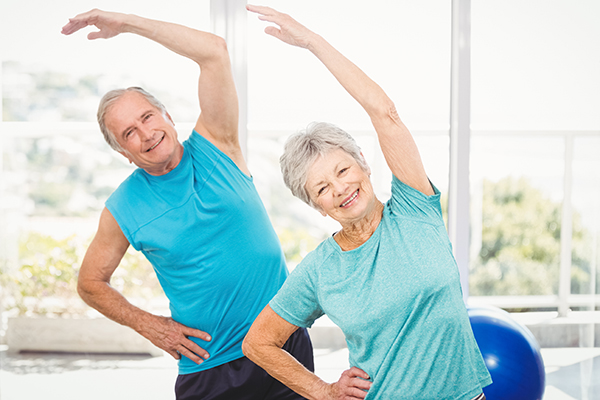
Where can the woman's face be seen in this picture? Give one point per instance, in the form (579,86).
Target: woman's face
(340,188)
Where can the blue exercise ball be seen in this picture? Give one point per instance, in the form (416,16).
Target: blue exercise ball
(511,355)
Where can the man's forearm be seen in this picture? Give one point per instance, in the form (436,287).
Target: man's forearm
(202,47)
(113,305)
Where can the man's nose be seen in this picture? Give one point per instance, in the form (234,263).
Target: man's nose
(145,133)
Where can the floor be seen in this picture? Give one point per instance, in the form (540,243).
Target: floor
(571,373)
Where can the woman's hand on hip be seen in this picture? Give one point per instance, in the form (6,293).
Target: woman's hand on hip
(353,384)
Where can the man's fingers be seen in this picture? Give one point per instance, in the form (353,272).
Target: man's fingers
(197,333)
(195,349)
(194,355)
(175,354)
(95,35)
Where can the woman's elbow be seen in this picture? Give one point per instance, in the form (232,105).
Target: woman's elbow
(384,109)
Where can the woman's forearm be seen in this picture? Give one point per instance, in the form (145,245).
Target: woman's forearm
(285,368)
(362,88)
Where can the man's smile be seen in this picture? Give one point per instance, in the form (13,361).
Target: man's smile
(157,143)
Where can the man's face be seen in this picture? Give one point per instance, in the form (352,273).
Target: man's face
(148,138)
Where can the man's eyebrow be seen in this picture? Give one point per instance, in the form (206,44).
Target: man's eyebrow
(146,113)
(141,117)
(126,130)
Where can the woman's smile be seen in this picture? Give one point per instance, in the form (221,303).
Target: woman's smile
(351,199)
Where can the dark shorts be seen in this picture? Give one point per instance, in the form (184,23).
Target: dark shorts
(241,379)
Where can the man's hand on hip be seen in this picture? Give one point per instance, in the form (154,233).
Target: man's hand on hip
(172,337)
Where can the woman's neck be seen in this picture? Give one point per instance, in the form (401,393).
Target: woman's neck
(354,235)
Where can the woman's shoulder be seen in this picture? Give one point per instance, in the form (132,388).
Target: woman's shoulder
(319,256)
(407,202)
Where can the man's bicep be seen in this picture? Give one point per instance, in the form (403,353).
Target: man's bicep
(105,252)
(217,96)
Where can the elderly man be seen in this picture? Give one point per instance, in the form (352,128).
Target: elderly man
(193,210)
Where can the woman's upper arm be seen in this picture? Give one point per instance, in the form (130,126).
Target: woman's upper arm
(268,329)
(399,148)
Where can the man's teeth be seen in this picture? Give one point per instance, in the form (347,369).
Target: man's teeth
(157,143)
(344,204)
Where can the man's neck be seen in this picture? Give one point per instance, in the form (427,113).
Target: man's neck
(171,165)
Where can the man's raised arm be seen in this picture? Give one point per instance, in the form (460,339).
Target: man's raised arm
(218,121)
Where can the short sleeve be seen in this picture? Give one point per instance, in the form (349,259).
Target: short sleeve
(409,202)
(297,301)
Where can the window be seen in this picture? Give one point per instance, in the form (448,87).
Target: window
(56,170)
(535,96)
(535,132)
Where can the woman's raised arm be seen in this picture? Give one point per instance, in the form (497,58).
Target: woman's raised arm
(396,141)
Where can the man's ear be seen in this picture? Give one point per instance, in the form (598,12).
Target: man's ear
(124,154)
(168,116)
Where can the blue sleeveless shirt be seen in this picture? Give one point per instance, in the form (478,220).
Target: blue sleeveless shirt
(207,234)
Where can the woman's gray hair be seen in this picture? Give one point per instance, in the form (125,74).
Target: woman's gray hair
(303,148)
(109,99)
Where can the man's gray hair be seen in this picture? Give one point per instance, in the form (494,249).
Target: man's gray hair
(303,148)
(109,99)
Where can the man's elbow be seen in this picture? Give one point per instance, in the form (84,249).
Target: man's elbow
(248,347)
(81,289)
(218,54)
(85,290)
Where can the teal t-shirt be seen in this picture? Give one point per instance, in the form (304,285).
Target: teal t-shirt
(398,300)
(207,234)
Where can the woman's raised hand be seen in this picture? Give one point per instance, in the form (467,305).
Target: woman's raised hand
(290,31)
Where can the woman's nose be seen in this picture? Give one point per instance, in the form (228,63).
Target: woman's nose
(340,188)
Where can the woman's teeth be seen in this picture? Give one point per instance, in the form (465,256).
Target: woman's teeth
(344,204)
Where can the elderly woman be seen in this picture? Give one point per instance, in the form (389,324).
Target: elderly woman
(387,278)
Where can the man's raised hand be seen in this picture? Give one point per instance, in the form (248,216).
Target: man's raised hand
(109,24)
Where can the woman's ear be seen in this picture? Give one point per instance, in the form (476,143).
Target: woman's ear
(368,170)
(319,209)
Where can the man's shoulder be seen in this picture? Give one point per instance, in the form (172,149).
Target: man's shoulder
(128,186)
